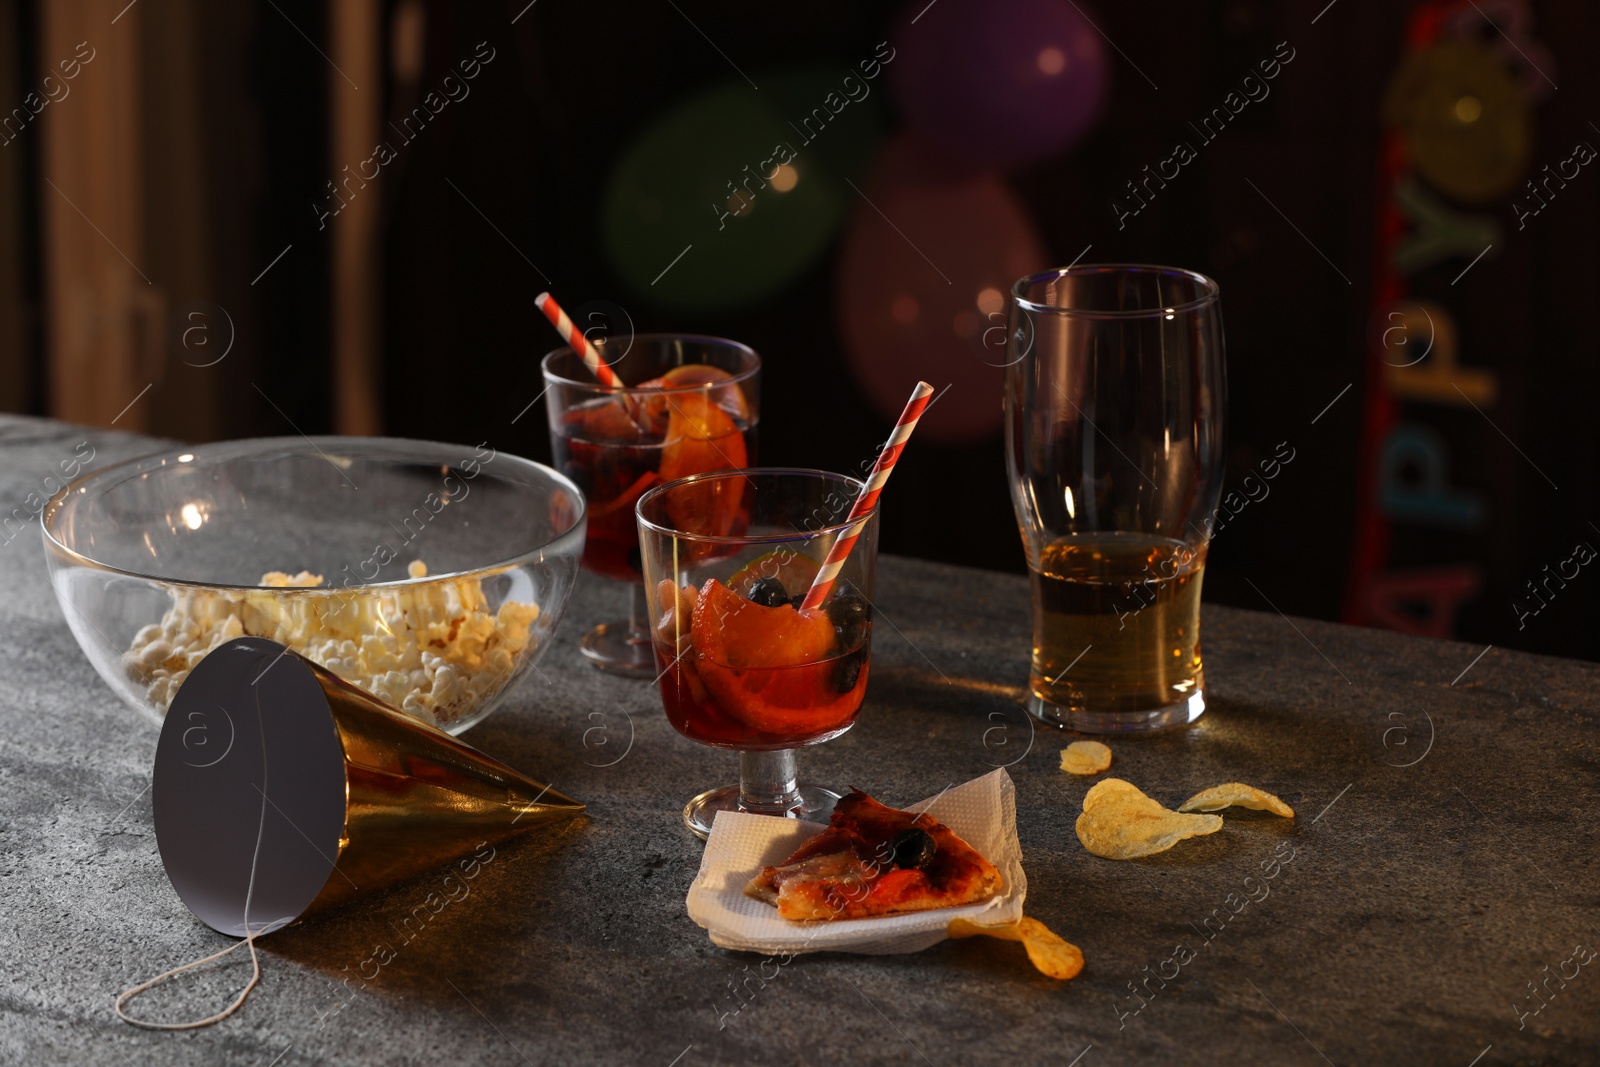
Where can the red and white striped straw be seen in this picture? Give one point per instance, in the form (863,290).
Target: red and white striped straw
(921,396)
(580,344)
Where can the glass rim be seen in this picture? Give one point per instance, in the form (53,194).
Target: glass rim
(594,386)
(1210,291)
(762,539)
(117,473)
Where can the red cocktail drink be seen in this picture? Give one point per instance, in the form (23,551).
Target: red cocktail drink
(756,671)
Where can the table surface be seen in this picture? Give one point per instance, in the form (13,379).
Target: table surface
(1442,870)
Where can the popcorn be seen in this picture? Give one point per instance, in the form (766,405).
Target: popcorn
(432,650)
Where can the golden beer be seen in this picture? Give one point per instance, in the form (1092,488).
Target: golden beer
(1116,623)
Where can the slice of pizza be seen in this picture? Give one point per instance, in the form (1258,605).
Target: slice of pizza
(875,860)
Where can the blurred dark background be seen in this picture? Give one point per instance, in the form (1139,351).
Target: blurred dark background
(200,238)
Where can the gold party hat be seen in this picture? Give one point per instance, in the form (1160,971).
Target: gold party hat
(355,795)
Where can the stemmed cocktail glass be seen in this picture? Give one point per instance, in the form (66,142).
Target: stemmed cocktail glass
(684,405)
(743,664)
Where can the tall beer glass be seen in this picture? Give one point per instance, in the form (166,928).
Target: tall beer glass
(1115,398)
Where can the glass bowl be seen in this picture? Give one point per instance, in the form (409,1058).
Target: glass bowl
(443,569)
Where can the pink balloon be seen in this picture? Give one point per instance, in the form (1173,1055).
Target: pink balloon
(924,288)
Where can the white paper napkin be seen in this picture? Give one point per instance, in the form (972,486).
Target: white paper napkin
(983,812)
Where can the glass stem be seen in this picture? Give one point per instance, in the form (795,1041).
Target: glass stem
(767,782)
(638,615)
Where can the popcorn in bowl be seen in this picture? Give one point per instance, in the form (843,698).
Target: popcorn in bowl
(432,650)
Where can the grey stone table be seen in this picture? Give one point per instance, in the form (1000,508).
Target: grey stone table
(1443,869)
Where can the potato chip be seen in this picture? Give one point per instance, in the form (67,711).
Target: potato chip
(1120,823)
(1085,757)
(1236,794)
(1049,953)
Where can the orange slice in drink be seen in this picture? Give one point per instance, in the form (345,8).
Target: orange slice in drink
(770,667)
(729,398)
(674,617)
(702,437)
